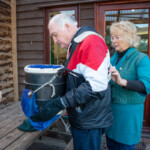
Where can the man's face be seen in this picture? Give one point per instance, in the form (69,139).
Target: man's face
(59,35)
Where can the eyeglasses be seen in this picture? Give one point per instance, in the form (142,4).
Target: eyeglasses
(116,38)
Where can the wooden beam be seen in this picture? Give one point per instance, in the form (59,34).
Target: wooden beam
(6,1)
(14,49)
(137,13)
(70,145)
(118,14)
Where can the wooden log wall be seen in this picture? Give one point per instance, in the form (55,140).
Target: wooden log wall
(30,37)
(7,52)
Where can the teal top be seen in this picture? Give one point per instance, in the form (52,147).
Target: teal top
(127,106)
(127,125)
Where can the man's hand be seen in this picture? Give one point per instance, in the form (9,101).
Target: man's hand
(49,110)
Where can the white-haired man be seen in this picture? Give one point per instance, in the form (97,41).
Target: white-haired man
(87,98)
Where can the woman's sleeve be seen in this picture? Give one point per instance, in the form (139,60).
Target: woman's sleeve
(136,85)
(143,71)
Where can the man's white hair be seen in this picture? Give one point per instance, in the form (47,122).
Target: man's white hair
(62,19)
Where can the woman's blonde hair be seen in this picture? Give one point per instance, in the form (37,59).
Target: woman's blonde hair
(129,32)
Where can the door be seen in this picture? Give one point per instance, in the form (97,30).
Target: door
(53,53)
(139,14)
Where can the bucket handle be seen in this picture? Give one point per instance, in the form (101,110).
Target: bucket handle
(53,90)
(47,83)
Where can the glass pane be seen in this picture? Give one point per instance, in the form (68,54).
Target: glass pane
(140,17)
(57,54)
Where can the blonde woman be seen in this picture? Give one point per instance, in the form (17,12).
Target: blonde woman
(130,84)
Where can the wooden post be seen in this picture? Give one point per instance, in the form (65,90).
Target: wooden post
(14,49)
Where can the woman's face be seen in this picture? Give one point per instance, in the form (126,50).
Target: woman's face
(117,38)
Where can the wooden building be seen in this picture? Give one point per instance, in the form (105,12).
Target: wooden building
(34,45)
(8,52)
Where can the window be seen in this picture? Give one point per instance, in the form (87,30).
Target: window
(140,17)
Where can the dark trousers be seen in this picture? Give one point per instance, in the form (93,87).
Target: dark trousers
(86,139)
(113,145)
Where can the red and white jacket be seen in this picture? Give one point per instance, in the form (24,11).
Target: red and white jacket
(88,96)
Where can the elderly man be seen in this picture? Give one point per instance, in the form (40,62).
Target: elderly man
(87,98)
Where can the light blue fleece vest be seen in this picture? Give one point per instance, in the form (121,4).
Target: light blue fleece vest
(127,68)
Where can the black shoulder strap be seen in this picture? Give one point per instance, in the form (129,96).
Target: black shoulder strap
(73,48)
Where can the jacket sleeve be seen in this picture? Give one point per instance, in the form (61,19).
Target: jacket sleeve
(93,64)
(78,96)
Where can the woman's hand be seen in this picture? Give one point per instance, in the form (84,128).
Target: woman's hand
(115,76)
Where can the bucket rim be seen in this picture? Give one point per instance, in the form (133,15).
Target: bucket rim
(42,68)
